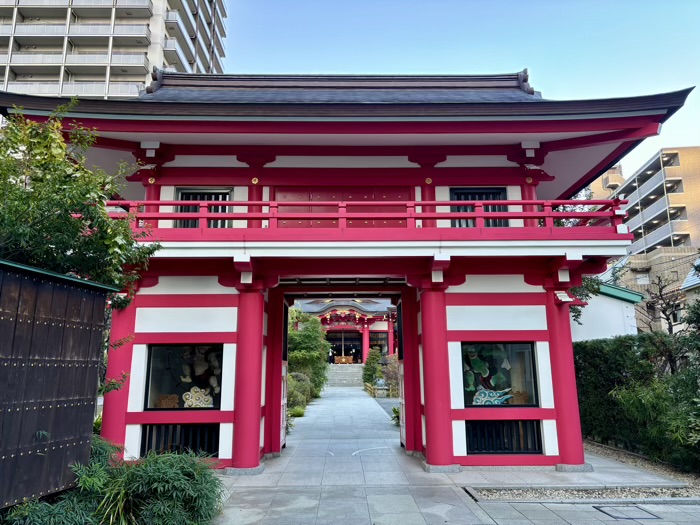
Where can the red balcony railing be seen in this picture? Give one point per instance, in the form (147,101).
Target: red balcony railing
(375,221)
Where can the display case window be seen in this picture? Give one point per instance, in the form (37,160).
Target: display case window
(499,374)
(184,377)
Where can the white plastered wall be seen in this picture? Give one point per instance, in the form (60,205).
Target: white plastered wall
(186,320)
(225,440)
(132,442)
(228,378)
(137,378)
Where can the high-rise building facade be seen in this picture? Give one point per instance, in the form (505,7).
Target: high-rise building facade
(106,48)
(663,195)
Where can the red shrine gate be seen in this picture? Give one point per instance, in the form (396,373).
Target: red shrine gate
(448,191)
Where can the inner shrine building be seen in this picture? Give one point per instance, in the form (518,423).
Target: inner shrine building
(446,194)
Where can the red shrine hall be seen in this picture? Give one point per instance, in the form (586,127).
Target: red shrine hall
(446,195)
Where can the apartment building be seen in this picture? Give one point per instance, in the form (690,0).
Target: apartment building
(106,48)
(664,199)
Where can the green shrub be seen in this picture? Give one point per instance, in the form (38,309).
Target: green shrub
(295,394)
(396,415)
(303,383)
(297,412)
(166,489)
(372,370)
(97,425)
(601,366)
(308,349)
(664,411)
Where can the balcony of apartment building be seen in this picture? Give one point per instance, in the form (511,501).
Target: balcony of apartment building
(204,10)
(203,58)
(220,25)
(221,8)
(47,33)
(669,233)
(81,89)
(134,8)
(176,56)
(92,8)
(186,18)
(219,44)
(28,65)
(204,32)
(217,67)
(174,23)
(130,34)
(86,62)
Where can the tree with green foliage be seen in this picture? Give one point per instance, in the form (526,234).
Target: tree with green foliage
(53,212)
(372,369)
(307,348)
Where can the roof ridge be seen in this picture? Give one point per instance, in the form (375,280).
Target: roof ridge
(517,80)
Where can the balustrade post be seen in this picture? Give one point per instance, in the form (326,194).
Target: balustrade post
(255,193)
(528,193)
(203,215)
(548,217)
(273,215)
(480,222)
(342,215)
(411,216)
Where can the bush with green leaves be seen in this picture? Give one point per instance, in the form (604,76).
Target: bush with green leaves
(307,348)
(396,415)
(302,382)
(295,394)
(372,370)
(665,411)
(160,489)
(601,366)
(54,214)
(297,412)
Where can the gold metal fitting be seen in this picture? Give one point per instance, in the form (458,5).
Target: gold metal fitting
(255,180)
(428,180)
(151,180)
(528,180)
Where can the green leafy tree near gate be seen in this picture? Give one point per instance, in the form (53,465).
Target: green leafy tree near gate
(53,212)
(307,348)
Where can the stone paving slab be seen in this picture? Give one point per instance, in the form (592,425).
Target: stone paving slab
(343,465)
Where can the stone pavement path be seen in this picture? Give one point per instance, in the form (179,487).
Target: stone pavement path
(343,465)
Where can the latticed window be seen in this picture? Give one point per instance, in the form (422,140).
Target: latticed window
(204,195)
(478,194)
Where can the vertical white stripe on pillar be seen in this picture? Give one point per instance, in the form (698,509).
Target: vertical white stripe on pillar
(262,431)
(228,377)
(544,374)
(420,363)
(264,376)
(132,442)
(137,378)
(454,350)
(549,437)
(422,418)
(225,440)
(459,438)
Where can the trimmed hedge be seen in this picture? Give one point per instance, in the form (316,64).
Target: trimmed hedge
(601,366)
(627,402)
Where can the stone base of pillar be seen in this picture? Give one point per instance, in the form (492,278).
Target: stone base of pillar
(586,467)
(449,469)
(230,471)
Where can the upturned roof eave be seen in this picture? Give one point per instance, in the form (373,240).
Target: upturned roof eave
(666,103)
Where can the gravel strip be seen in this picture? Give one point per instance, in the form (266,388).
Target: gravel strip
(626,493)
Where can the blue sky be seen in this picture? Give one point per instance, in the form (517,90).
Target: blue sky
(572,49)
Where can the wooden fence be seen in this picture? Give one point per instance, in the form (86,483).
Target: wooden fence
(51,333)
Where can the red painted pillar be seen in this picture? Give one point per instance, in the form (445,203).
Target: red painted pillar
(119,361)
(390,337)
(275,322)
(246,427)
(436,373)
(365,342)
(564,382)
(152,194)
(255,193)
(528,192)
